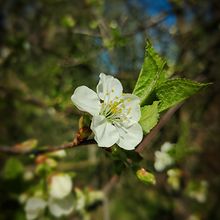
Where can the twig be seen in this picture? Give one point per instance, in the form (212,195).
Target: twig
(166,117)
(14,151)
(111,183)
(103,29)
(153,22)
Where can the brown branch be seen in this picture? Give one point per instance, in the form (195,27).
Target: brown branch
(164,119)
(14,151)
(111,183)
(103,27)
(152,23)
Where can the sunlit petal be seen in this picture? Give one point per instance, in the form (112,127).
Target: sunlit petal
(34,207)
(60,186)
(130,137)
(132,108)
(106,134)
(86,100)
(60,207)
(108,88)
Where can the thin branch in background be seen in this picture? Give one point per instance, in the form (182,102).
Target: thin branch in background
(104,32)
(70,145)
(163,121)
(152,23)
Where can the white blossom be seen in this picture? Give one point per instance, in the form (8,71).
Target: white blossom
(80,200)
(115,114)
(60,207)
(60,186)
(162,158)
(34,208)
(198,190)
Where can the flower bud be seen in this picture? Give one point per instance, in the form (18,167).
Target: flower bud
(145,176)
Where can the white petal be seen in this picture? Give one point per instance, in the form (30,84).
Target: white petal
(86,100)
(106,134)
(130,137)
(108,88)
(166,147)
(80,200)
(132,108)
(34,207)
(60,186)
(162,160)
(60,207)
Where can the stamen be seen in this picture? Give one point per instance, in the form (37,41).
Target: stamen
(115,111)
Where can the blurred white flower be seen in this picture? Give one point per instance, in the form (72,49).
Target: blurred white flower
(28,175)
(80,200)
(162,158)
(60,207)
(167,146)
(198,190)
(115,115)
(23,198)
(34,208)
(60,186)
(174,176)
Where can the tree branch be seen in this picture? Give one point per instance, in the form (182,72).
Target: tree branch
(164,119)
(15,151)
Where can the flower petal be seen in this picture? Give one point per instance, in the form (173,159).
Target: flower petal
(162,160)
(130,137)
(108,88)
(60,186)
(106,134)
(132,108)
(60,207)
(86,100)
(34,207)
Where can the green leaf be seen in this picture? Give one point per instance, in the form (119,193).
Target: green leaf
(174,91)
(145,176)
(13,168)
(151,75)
(149,117)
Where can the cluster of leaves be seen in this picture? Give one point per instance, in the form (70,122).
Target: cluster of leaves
(157,91)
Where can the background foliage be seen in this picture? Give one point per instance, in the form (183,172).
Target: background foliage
(48,48)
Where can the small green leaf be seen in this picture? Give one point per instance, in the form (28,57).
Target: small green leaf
(145,176)
(149,116)
(151,75)
(13,168)
(174,91)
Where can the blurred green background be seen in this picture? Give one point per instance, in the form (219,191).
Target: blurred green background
(49,47)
